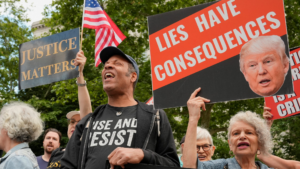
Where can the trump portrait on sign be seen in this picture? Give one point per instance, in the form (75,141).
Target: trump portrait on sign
(264,64)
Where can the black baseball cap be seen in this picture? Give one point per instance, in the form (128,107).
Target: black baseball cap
(110,51)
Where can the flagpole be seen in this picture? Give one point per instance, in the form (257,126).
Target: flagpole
(82,29)
(82,25)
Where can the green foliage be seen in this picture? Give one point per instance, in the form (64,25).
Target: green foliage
(13,32)
(292,10)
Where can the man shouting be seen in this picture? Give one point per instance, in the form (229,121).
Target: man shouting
(124,130)
(51,142)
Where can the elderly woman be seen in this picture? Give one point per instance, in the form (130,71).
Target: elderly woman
(204,146)
(248,135)
(19,124)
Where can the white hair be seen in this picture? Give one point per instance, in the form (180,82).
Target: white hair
(263,133)
(202,133)
(263,44)
(21,121)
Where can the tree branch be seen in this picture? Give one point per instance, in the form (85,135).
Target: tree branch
(50,86)
(205,116)
(213,131)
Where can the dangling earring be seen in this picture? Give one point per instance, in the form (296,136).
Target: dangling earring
(258,151)
(231,153)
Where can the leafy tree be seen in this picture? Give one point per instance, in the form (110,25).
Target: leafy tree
(8,3)
(13,32)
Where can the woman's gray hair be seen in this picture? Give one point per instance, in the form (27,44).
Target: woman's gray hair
(21,121)
(202,133)
(263,133)
(263,44)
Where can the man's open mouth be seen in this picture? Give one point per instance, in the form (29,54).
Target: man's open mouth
(265,81)
(108,75)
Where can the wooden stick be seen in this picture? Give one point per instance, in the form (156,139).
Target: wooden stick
(80,45)
(82,25)
(81,37)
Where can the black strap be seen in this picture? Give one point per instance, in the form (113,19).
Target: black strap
(157,119)
(82,152)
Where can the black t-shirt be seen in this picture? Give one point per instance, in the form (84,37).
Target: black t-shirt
(54,162)
(115,127)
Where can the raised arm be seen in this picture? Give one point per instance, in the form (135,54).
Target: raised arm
(278,163)
(194,104)
(268,116)
(83,94)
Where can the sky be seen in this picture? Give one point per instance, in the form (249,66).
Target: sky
(36,7)
(35,12)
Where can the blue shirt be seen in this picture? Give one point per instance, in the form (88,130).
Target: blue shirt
(220,163)
(181,163)
(42,163)
(21,157)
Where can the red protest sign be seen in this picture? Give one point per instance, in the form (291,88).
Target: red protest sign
(200,46)
(150,101)
(283,106)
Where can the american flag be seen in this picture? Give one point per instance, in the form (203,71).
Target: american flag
(107,33)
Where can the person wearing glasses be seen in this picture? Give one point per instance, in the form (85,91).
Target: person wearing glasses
(205,146)
(248,137)
(74,116)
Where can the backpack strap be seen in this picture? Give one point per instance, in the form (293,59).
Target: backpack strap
(88,122)
(85,139)
(157,119)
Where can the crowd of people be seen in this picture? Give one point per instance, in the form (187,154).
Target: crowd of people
(126,131)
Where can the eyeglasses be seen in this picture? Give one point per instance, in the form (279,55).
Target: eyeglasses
(205,147)
(72,122)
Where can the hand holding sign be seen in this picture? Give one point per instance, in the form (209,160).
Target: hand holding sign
(201,46)
(194,104)
(80,60)
(49,59)
(289,104)
(268,116)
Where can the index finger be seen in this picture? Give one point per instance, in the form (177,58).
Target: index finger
(267,108)
(111,154)
(194,94)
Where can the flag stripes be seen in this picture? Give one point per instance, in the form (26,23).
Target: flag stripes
(107,33)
